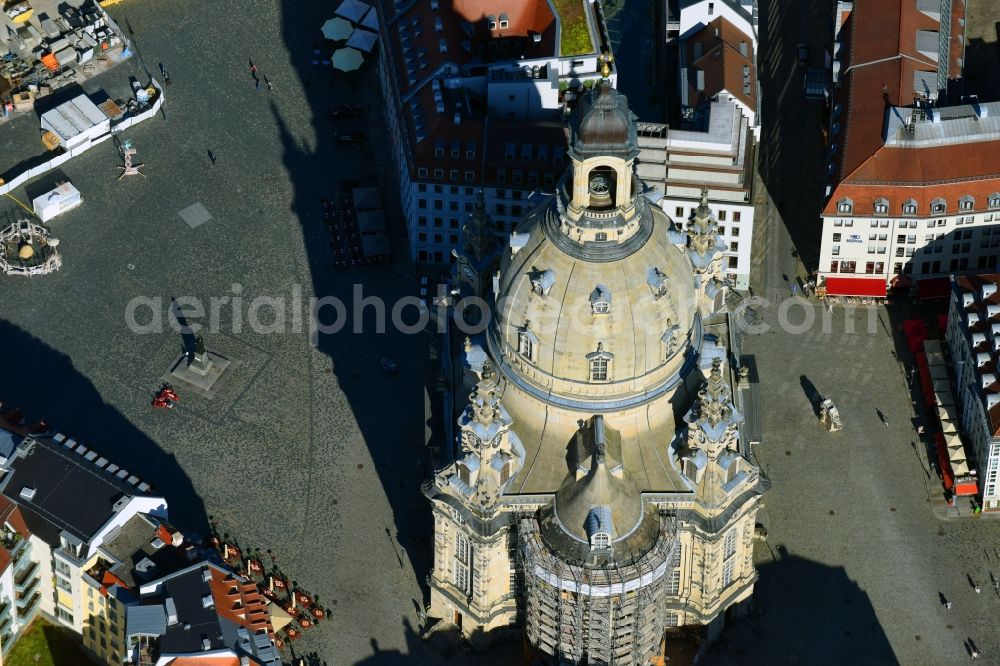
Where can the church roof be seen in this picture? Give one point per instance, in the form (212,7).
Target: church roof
(607,126)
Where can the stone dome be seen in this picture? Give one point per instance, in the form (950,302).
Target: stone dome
(606,124)
(563,305)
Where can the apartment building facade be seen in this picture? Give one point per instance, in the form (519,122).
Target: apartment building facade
(973,337)
(474,95)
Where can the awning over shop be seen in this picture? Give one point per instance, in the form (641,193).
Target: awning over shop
(933,288)
(846,286)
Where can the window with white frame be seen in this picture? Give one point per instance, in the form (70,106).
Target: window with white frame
(527,343)
(727,572)
(600,364)
(939,206)
(881,206)
(966,203)
(909,207)
(674,577)
(463,560)
(672,620)
(995,200)
(729,544)
(845,206)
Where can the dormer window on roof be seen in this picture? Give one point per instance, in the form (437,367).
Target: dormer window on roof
(845,206)
(491,21)
(657,281)
(881,205)
(599,527)
(910,207)
(966,203)
(504,22)
(939,205)
(995,200)
(542,282)
(600,300)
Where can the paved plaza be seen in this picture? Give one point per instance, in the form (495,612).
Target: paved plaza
(315,453)
(310,451)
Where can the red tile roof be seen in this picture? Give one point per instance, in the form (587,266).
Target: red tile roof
(419,32)
(11,514)
(881,39)
(722,62)
(239,600)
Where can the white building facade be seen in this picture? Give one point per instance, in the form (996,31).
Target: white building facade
(973,337)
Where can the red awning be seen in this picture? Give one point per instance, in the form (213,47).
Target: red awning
(933,288)
(966,487)
(847,286)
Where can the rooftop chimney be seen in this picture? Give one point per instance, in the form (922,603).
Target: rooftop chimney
(171,609)
(27,493)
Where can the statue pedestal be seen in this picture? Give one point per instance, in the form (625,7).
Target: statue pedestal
(204,373)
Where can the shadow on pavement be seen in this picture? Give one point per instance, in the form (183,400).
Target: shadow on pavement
(389,410)
(44,383)
(805,613)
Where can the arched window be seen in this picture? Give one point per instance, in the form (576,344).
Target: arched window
(600,300)
(600,541)
(600,364)
(527,342)
(601,185)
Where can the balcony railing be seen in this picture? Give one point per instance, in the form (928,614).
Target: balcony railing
(25,609)
(24,593)
(25,573)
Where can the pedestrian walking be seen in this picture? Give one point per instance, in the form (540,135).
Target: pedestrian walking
(166,77)
(947,605)
(974,654)
(268,82)
(977,589)
(211,156)
(253,68)
(257,84)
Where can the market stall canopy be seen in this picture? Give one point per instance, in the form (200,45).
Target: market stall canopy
(370,20)
(363,39)
(960,468)
(353,10)
(952,440)
(347,60)
(337,29)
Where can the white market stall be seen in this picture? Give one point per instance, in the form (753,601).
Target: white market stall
(56,202)
(76,122)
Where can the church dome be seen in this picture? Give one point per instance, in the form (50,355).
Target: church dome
(595,323)
(607,123)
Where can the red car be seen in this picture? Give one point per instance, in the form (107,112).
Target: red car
(345,111)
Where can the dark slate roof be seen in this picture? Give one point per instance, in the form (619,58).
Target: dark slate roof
(70,493)
(187,590)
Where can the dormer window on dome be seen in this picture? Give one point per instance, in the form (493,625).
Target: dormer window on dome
(599,527)
(542,282)
(657,281)
(600,300)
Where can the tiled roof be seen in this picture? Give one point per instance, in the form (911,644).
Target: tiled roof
(11,515)
(863,196)
(884,70)
(723,63)
(70,493)
(431,33)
